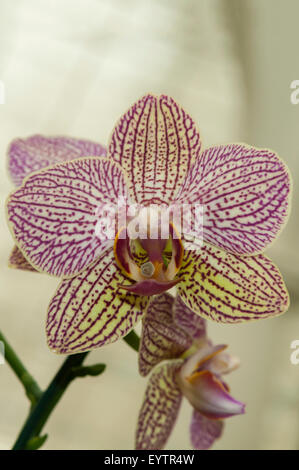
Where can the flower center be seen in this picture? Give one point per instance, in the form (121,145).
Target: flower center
(149,251)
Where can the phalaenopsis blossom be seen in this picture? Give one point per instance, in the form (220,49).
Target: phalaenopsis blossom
(154,158)
(192,367)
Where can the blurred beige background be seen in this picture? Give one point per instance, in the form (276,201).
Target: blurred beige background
(71,68)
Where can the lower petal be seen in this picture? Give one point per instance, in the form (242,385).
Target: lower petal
(87,311)
(160,408)
(194,325)
(228,288)
(161,337)
(204,431)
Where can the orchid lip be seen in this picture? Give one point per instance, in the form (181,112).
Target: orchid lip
(150,286)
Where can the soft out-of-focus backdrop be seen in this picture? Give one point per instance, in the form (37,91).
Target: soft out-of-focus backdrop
(72,68)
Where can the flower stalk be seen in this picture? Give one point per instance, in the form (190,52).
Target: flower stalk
(48,400)
(31,387)
(43,403)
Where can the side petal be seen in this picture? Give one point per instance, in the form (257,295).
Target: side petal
(189,321)
(87,311)
(245,194)
(160,408)
(210,397)
(204,431)
(161,338)
(33,153)
(155,142)
(228,288)
(17,261)
(56,216)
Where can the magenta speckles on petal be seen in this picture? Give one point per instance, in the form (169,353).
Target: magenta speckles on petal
(245,193)
(87,312)
(36,152)
(155,142)
(189,321)
(204,431)
(161,337)
(160,408)
(228,288)
(53,215)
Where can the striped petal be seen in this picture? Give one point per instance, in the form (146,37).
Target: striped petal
(204,431)
(155,142)
(228,288)
(159,409)
(161,337)
(87,311)
(33,153)
(57,214)
(189,321)
(17,261)
(245,193)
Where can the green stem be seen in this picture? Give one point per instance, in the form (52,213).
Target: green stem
(71,368)
(37,419)
(32,389)
(133,340)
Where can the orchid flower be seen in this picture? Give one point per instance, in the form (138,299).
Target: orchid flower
(191,367)
(154,157)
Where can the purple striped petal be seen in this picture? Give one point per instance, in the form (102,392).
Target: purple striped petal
(245,193)
(18,261)
(204,431)
(210,397)
(155,142)
(228,288)
(55,214)
(161,337)
(87,311)
(159,409)
(36,152)
(189,321)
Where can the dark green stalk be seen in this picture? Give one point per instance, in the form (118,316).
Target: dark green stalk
(71,368)
(32,389)
(37,419)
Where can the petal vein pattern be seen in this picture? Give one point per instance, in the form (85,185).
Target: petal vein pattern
(155,142)
(245,194)
(87,311)
(229,288)
(33,153)
(161,337)
(54,214)
(160,407)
